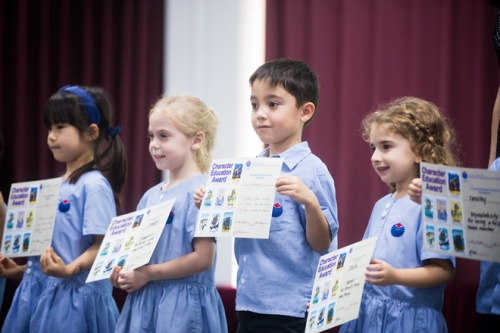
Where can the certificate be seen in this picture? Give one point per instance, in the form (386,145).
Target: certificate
(239,198)
(338,286)
(130,240)
(31,212)
(461,211)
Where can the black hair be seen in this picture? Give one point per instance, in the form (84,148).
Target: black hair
(295,76)
(109,151)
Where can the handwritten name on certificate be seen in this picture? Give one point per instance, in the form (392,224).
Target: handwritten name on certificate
(130,240)
(31,212)
(338,286)
(239,198)
(461,211)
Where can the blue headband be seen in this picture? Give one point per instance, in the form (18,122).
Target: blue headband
(87,101)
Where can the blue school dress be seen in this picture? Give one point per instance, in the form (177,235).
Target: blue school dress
(47,304)
(395,308)
(190,304)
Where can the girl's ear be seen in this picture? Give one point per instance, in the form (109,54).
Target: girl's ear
(92,132)
(198,140)
(307,111)
(418,159)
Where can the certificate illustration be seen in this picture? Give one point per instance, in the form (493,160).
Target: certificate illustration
(130,240)
(239,198)
(31,212)
(338,286)
(461,211)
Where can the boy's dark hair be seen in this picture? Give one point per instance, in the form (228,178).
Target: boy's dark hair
(295,76)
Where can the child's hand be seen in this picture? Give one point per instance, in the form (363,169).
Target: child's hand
(53,265)
(293,187)
(10,269)
(198,196)
(113,278)
(132,279)
(415,190)
(380,273)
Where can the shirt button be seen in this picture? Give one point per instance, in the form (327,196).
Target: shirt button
(30,263)
(28,271)
(242,281)
(161,197)
(387,205)
(384,213)
(245,259)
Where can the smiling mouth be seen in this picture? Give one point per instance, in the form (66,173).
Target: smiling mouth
(382,169)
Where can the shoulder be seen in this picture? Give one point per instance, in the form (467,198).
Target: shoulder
(495,165)
(93,181)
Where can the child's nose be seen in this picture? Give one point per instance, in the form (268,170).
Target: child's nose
(375,156)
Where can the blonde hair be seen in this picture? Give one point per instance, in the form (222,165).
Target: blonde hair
(190,115)
(420,122)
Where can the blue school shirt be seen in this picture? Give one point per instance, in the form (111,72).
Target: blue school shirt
(276,275)
(44,303)
(488,293)
(396,308)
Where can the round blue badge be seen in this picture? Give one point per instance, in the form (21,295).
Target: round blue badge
(398,230)
(170,217)
(64,206)
(277,210)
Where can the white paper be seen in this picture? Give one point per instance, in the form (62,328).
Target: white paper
(239,198)
(461,211)
(338,286)
(31,212)
(130,240)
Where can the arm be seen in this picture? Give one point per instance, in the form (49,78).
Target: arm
(53,265)
(317,229)
(437,272)
(199,260)
(495,118)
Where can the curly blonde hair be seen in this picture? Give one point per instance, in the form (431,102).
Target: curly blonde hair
(191,116)
(421,123)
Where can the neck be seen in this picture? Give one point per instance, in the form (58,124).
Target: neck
(175,177)
(276,149)
(77,164)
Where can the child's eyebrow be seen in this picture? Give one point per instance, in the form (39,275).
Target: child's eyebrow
(272,96)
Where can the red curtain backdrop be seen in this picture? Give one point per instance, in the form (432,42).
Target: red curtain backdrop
(368,52)
(46,44)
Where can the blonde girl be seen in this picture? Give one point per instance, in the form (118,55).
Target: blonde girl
(176,291)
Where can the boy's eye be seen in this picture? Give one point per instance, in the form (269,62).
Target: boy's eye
(273,104)
(254,106)
(385,147)
(150,136)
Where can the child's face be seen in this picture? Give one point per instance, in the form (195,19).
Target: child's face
(169,147)
(68,146)
(392,158)
(275,116)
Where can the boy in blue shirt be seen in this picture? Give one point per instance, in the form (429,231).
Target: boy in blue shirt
(276,275)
